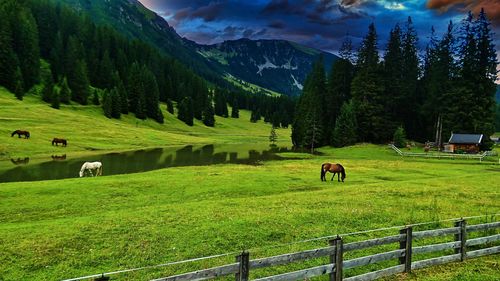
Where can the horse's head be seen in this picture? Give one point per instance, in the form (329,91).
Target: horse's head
(81,174)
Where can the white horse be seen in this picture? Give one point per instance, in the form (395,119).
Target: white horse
(89,166)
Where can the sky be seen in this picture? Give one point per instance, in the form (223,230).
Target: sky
(321,24)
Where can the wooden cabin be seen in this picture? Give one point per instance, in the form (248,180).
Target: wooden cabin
(465,143)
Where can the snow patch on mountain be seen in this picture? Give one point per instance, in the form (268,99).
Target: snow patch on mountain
(296,83)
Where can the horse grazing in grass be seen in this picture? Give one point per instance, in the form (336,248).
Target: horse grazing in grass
(332,168)
(89,166)
(61,141)
(20,161)
(20,133)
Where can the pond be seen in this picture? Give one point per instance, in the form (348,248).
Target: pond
(63,166)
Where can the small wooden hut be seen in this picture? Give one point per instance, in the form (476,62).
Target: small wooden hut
(465,143)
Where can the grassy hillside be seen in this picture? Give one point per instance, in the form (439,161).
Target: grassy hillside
(59,229)
(89,131)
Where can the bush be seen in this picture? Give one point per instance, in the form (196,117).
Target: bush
(400,137)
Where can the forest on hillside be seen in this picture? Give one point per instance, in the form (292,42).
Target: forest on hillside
(366,98)
(71,59)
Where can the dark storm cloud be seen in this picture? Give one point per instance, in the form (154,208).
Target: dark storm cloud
(278,24)
(319,24)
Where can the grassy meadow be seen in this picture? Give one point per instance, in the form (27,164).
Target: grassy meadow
(52,230)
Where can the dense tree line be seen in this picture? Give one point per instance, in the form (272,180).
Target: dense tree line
(369,98)
(95,64)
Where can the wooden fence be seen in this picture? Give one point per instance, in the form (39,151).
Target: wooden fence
(439,155)
(335,251)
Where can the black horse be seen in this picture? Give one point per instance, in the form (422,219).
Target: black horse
(61,141)
(20,133)
(332,168)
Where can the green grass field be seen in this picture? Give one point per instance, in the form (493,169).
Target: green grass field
(51,230)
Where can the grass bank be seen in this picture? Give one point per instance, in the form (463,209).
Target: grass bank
(88,131)
(59,229)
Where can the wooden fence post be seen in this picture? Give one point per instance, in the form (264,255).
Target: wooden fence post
(462,237)
(244,270)
(337,258)
(407,246)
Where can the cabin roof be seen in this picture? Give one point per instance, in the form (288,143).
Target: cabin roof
(465,139)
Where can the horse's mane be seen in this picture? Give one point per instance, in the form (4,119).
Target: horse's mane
(342,170)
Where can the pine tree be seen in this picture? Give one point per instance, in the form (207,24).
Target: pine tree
(235,111)
(410,74)
(65,92)
(18,82)
(107,104)
(208,115)
(399,137)
(152,98)
(115,103)
(8,59)
(367,89)
(185,111)
(339,86)
(47,90)
(345,132)
(95,98)
(79,83)
(220,104)
(55,99)
(312,104)
(273,137)
(170,106)
(27,47)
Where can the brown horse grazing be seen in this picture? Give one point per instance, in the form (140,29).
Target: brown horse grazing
(26,134)
(61,141)
(332,168)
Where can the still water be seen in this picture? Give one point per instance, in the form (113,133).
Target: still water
(62,166)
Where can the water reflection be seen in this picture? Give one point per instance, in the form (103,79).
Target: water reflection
(141,160)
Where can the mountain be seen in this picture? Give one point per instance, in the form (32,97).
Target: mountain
(132,19)
(277,65)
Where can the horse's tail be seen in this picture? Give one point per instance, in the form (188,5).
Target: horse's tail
(342,171)
(322,172)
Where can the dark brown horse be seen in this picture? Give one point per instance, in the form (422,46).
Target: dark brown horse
(20,133)
(332,168)
(61,141)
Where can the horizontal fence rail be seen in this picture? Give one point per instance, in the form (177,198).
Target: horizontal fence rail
(336,249)
(440,155)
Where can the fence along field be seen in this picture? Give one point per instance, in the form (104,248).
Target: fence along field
(462,246)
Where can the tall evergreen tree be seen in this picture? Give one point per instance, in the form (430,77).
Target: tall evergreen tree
(95,97)
(8,59)
(220,103)
(185,111)
(339,87)
(107,104)
(115,103)
(55,99)
(235,111)
(48,89)
(208,115)
(65,92)
(345,132)
(311,104)
(170,106)
(26,46)
(18,84)
(367,91)
(410,74)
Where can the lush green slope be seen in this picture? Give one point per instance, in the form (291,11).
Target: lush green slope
(58,229)
(89,131)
